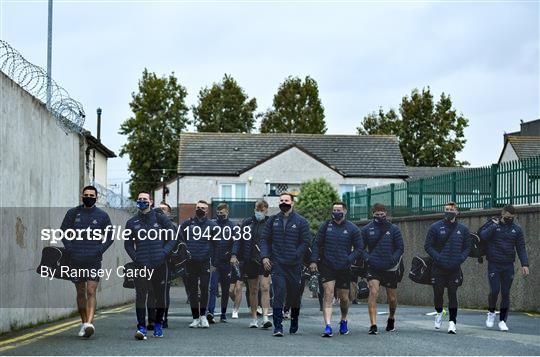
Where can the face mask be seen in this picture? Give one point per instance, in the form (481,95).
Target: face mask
(259,216)
(380,220)
(337,216)
(285,207)
(450,215)
(221,217)
(89,201)
(200,213)
(142,205)
(508,220)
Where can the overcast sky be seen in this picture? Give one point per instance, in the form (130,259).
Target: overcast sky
(363,54)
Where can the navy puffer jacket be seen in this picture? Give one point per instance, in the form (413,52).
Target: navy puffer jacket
(337,242)
(86,250)
(144,250)
(386,254)
(451,255)
(503,240)
(244,249)
(285,245)
(202,249)
(223,243)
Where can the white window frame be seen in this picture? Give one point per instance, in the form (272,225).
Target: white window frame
(233,189)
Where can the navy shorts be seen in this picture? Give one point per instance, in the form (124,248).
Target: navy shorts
(84,271)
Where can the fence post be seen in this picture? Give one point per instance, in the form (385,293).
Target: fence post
(421,196)
(347,199)
(454,187)
(368,202)
(493,184)
(392,200)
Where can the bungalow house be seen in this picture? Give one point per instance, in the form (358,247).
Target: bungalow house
(240,168)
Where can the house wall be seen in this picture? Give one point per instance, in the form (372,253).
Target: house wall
(509,154)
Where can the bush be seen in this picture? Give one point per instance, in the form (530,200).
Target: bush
(315,202)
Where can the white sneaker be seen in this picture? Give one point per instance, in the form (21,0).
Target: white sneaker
(81,331)
(234,314)
(438,320)
(254,324)
(259,310)
(204,322)
(490,319)
(502,326)
(195,323)
(88,330)
(452,328)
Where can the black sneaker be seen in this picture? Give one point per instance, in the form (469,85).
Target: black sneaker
(373,330)
(165,324)
(150,326)
(210,318)
(390,325)
(294,326)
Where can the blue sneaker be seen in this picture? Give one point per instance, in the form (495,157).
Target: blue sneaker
(343,330)
(141,333)
(327,331)
(158,332)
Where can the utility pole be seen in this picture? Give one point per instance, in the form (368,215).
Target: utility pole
(49,56)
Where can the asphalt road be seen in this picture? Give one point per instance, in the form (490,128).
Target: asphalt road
(415,335)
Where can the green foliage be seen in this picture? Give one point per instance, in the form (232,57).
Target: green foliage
(160,114)
(315,202)
(224,107)
(296,109)
(430,134)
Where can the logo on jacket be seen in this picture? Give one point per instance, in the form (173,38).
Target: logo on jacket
(94,221)
(513,231)
(345,232)
(156,225)
(458,232)
(293,226)
(388,233)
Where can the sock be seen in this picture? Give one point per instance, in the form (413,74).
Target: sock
(203,311)
(453,314)
(295,312)
(195,313)
(438,309)
(503,314)
(265,318)
(223,310)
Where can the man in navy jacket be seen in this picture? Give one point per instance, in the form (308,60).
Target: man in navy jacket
(383,251)
(197,233)
(503,238)
(284,241)
(337,245)
(86,254)
(449,244)
(146,247)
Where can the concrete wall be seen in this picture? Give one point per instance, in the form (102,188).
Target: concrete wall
(474,291)
(41,174)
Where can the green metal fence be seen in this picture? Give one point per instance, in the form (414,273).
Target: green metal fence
(514,182)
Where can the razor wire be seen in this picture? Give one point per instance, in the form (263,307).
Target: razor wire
(67,112)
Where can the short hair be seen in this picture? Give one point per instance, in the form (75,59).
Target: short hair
(145,192)
(378,207)
(287,194)
(452,204)
(203,202)
(261,205)
(222,206)
(166,205)
(89,187)
(510,209)
(340,204)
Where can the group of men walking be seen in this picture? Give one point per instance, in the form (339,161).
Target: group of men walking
(277,250)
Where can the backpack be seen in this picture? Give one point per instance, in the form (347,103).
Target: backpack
(363,290)
(421,270)
(479,246)
(178,260)
(54,258)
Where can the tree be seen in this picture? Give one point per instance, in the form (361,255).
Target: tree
(429,134)
(224,107)
(315,202)
(160,114)
(296,109)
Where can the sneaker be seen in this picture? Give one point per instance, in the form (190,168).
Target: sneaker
(141,333)
(343,329)
(165,324)
(150,326)
(158,332)
(254,324)
(210,318)
(294,326)
(452,328)
(502,326)
(234,314)
(354,302)
(327,331)
(195,323)
(270,312)
(278,333)
(204,322)
(390,325)
(286,315)
(259,311)
(81,331)
(266,323)
(490,320)
(438,320)
(223,318)
(373,330)
(88,330)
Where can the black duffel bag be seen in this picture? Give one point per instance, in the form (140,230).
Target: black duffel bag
(129,281)
(421,270)
(178,260)
(53,258)
(359,267)
(363,290)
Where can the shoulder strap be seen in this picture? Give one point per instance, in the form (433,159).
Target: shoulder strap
(447,238)
(381,236)
(325,228)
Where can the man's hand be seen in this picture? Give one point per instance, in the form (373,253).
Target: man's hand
(234,260)
(495,220)
(212,268)
(267,264)
(524,271)
(313,267)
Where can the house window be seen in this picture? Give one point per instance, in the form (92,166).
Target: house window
(232,191)
(277,189)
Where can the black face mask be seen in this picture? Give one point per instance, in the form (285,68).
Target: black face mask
(89,201)
(508,220)
(222,217)
(200,213)
(285,207)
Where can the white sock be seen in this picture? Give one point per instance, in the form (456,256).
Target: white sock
(265,318)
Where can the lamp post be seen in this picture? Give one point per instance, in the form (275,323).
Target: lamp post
(49,55)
